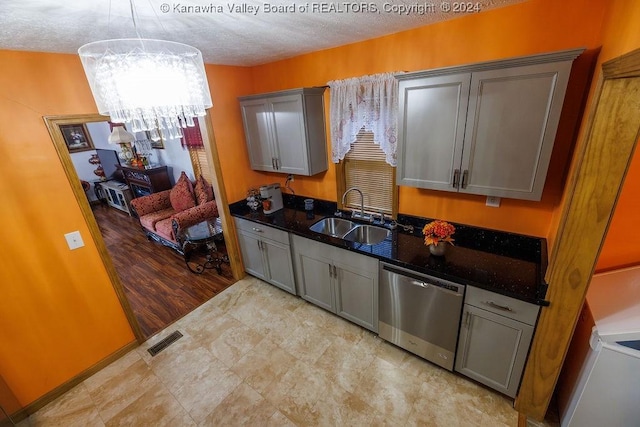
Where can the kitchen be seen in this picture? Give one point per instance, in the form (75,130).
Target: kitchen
(517,219)
(567,26)
(416,299)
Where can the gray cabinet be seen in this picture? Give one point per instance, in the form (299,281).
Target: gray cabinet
(337,280)
(266,253)
(485,128)
(494,340)
(285,131)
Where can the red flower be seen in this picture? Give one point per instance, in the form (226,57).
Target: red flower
(438,231)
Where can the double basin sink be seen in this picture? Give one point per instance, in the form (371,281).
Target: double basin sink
(351,231)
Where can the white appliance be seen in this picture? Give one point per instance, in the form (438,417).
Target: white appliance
(273,195)
(607,392)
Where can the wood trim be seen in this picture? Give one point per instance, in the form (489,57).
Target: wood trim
(228,226)
(42,401)
(627,65)
(53,125)
(596,181)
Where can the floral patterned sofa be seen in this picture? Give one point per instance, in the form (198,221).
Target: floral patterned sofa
(162,215)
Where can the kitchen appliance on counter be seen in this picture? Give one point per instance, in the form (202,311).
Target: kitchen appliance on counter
(272,198)
(420,313)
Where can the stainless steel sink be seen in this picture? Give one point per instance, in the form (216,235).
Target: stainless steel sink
(367,234)
(335,227)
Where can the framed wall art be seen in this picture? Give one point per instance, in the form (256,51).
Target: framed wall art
(76,137)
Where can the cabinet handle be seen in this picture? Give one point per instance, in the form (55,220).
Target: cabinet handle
(277,163)
(258,230)
(498,306)
(330,271)
(456,178)
(273,162)
(467,319)
(335,272)
(465,176)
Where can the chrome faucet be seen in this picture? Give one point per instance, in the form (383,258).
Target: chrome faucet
(353,213)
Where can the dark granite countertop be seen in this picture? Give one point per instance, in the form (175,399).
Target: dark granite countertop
(506,263)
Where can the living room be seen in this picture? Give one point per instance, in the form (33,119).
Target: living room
(47,284)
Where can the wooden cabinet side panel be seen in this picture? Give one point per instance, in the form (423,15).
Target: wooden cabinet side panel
(316,133)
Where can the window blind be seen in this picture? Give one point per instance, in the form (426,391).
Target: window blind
(365,167)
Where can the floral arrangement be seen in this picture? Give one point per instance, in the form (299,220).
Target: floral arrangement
(438,231)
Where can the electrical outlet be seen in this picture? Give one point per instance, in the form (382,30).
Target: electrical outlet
(493,202)
(74,240)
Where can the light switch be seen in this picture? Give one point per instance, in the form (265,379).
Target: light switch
(74,240)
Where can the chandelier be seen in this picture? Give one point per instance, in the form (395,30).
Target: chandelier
(155,85)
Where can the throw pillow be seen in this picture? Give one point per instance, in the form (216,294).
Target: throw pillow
(181,195)
(203,190)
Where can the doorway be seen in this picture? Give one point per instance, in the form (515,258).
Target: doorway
(172,306)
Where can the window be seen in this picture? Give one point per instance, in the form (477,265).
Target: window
(200,163)
(365,167)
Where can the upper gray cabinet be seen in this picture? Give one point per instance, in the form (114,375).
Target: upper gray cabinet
(285,131)
(485,128)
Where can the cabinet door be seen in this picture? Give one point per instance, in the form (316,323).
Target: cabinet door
(279,265)
(492,349)
(314,272)
(289,135)
(511,128)
(256,115)
(357,289)
(250,247)
(431,130)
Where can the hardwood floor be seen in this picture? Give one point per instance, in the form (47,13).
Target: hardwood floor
(156,280)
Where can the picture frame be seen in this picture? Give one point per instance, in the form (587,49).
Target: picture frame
(76,137)
(159,144)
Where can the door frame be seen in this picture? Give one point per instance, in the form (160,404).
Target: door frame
(53,125)
(597,175)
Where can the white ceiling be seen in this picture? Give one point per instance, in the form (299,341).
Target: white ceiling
(229,38)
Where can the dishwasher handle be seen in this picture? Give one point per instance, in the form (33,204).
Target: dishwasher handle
(425,281)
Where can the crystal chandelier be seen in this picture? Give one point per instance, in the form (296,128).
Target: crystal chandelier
(155,85)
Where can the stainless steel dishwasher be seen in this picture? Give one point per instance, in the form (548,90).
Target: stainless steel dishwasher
(420,313)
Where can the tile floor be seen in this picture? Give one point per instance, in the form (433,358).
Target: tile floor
(257,356)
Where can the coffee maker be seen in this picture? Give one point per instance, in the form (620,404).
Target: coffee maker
(272,198)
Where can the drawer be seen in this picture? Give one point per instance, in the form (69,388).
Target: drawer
(499,304)
(262,231)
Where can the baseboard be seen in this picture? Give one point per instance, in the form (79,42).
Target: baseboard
(44,400)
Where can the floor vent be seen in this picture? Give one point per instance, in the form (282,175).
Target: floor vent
(166,342)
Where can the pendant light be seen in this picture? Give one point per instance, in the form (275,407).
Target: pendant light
(155,85)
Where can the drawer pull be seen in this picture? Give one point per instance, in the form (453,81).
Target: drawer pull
(258,230)
(498,306)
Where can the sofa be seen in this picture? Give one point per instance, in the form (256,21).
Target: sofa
(163,214)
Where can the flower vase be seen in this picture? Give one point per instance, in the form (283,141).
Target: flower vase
(438,249)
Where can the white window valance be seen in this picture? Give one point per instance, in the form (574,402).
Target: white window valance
(369,102)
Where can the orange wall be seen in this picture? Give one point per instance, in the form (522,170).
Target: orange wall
(532,27)
(621,248)
(59,314)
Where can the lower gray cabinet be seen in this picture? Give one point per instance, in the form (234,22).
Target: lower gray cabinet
(266,254)
(338,280)
(494,340)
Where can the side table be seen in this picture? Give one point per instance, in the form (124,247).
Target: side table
(203,235)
